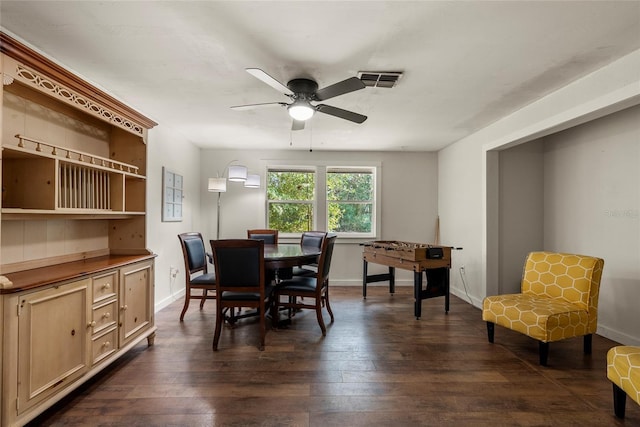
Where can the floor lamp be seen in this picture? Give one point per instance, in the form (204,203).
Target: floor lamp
(218,185)
(236,173)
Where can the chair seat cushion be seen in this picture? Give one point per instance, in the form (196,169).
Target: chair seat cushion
(246,296)
(623,369)
(204,279)
(539,317)
(305,271)
(298,284)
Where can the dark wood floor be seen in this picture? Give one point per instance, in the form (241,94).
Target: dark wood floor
(377,366)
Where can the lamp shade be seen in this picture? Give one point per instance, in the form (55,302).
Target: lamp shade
(217,185)
(237,173)
(253,181)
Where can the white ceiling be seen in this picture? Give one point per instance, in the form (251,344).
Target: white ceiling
(465,64)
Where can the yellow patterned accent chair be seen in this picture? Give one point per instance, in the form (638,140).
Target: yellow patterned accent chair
(623,369)
(559,300)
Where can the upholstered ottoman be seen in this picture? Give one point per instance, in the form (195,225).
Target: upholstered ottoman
(623,369)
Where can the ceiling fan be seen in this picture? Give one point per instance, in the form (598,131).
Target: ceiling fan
(302,92)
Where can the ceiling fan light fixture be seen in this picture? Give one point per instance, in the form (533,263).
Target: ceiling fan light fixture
(301,111)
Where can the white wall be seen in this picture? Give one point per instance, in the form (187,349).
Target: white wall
(467,194)
(165,148)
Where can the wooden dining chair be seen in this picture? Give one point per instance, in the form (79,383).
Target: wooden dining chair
(300,290)
(312,239)
(240,275)
(269,236)
(196,271)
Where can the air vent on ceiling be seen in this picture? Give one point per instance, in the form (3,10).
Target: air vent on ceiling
(386,79)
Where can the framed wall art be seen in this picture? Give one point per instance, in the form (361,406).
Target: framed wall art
(171,196)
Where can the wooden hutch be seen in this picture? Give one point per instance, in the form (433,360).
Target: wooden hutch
(76,279)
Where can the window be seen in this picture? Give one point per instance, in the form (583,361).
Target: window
(350,200)
(340,199)
(290,200)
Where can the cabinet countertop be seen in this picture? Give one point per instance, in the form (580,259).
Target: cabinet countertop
(38,277)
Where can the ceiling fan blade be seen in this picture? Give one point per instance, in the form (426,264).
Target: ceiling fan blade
(339,112)
(266,78)
(297,125)
(349,85)
(254,106)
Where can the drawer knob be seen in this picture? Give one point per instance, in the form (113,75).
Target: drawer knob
(106,344)
(106,315)
(124,307)
(106,286)
(92,324)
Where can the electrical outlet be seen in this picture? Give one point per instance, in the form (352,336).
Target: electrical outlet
(462,268)
(173,272)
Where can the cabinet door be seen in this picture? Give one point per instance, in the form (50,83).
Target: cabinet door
(53,340)
(136,300)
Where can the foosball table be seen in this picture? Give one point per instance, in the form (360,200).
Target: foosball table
(432,260)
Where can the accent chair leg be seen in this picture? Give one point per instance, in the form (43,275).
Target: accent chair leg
(587,343)
(619,401)
(490,331)
(544,353)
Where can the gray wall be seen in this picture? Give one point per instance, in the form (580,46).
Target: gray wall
(592,205)
(521,211)
(409,184)
(469,189)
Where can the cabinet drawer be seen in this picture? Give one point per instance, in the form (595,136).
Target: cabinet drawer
(104,315)
(105,286)
(103,345)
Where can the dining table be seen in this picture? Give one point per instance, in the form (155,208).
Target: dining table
(282,257)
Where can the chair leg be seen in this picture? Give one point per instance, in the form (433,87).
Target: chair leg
(275,316)
(320,320)
(326,299)
(216,334)
(544,353)
(619,401)
(187,298)
(204,297)
(263,327)
(490,331)
(587,343)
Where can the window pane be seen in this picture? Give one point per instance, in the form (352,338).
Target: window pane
(290,185)
(350,217)
(350,186)
(290,217)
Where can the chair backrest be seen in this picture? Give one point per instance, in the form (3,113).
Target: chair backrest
(195,258)
(239,265)
(324,264)
(313,239)
(270,237)
(573,278)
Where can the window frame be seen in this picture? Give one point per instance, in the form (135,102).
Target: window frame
(354,169)
(320,205)
(314,203)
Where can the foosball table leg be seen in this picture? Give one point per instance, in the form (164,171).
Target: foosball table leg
(417,294)
(446,295)
(364,279)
